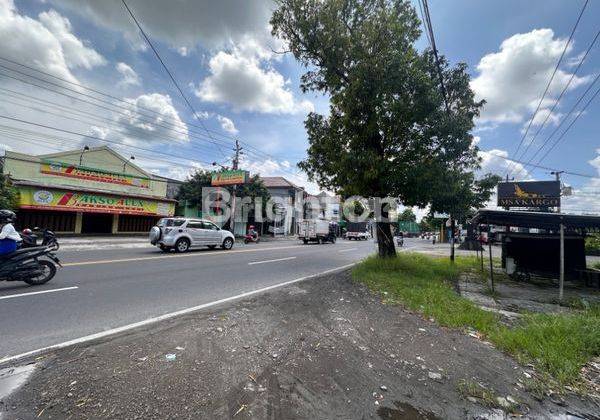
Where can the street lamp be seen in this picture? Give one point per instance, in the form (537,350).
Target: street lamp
(85,149)
(125,164)
(218,164)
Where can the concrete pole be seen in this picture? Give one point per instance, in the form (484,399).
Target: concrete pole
(561,281)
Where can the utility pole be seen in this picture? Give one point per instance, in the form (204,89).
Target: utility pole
(235,165)
(561,281)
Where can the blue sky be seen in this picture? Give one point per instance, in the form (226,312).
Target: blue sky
(222,55)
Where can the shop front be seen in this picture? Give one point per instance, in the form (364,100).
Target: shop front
(58,193)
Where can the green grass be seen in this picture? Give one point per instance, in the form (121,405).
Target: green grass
(557,344)
(596,265)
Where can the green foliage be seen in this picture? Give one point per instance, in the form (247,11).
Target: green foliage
(9,195)
(407,216)
(387,132)
(592,245)
(558,344)
(191,190)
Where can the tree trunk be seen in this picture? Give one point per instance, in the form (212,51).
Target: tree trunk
(385,241)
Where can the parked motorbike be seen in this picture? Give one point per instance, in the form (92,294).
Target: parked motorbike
(34,265)
(251,238)
(30,238)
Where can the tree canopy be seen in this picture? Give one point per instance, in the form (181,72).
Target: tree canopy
(407,216)
(388,132)
(9,195)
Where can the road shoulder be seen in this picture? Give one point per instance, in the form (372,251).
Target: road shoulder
(322,348)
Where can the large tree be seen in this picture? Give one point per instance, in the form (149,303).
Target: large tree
(407,216)
(388,130)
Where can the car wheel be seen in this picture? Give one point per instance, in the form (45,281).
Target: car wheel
(319,241)
(212,246)
(182,245)
(47,271)
(227,244)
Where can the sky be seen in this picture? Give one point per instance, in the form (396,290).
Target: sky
(231,70)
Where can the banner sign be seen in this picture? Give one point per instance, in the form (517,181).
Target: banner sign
(229,177)
(90,174)
(33,198)
(529,194)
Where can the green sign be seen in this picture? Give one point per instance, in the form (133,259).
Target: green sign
(411,227)
(229,177)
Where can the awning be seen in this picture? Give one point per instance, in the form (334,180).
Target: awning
(538,220)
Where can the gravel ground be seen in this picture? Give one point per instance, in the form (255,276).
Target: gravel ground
(323,348)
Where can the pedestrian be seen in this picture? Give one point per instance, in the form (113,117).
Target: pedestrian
(9,237)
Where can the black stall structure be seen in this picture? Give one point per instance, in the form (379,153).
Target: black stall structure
(557,252)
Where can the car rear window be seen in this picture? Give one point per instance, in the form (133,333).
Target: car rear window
(170,222)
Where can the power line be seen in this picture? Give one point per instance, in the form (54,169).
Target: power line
(541,167)
(99,139)
(551,79)
(126,111)
(524,153)
(168,72)
(429,28)
(570,125)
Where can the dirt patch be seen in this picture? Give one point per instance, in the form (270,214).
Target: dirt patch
(323,348)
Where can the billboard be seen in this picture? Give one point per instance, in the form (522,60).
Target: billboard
(51,199)
(89,174)
(229,177)
(529,194)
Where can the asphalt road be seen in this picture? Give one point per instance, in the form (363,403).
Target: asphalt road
(102,289)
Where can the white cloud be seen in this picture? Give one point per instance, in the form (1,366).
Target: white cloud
(128,76)
(227,124)
(184,23)
(513,79)
(74,50)
(152,118)
(272,167)
(47,44)
(240,80)
(493,161)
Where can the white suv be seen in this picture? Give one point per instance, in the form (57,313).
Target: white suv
(181,234)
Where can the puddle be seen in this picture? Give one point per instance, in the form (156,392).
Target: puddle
(14,377)
(404,411)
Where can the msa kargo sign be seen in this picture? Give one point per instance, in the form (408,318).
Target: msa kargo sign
(529,194)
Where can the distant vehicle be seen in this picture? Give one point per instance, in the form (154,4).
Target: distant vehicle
(181,234)
(30,238)
(357,231)
(316,230)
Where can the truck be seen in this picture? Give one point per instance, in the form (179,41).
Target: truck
(315,230)
(357,231)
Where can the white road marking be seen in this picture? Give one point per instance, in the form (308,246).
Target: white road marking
(186,255)
(168,316)
(38,293)
(347,249)
(270,261)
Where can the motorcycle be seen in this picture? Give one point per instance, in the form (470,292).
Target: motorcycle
(30,238)
(34,265)
(399,240)
(251,238)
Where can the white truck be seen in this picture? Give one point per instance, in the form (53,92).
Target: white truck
(357,231)
(315,230)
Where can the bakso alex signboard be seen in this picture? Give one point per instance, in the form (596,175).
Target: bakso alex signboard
(529,194)
(229,177)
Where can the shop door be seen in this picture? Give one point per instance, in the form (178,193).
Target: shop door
(96,223)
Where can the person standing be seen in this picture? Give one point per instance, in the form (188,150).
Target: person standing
(9,237)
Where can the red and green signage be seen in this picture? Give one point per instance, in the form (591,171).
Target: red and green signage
(229,177)
(91,174)
(51,199)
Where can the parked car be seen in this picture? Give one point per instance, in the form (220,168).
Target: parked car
(181,234)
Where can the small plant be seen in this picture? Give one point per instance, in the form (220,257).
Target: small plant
(469,388)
